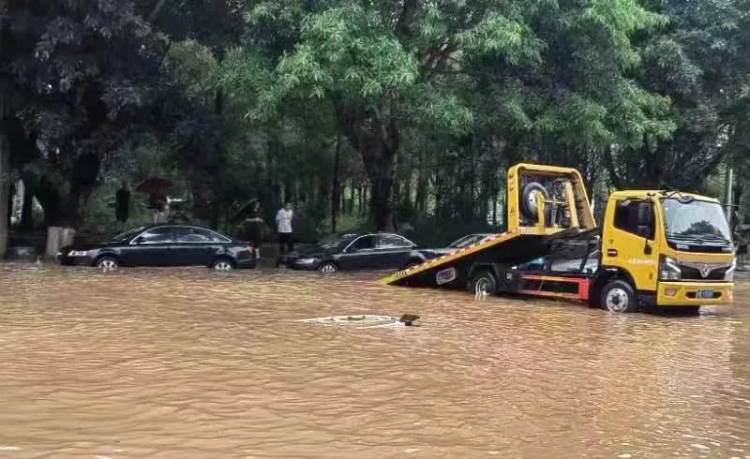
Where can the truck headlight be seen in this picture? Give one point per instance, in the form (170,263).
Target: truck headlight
(669,270)
(729,275)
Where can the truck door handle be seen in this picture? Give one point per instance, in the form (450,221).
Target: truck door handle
(611,252)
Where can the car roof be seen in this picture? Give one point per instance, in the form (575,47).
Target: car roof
(476,235)
(374,233)
(383,233)
(149,226)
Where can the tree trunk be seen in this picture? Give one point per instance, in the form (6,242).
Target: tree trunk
(335,185)
(380,164)
(365,195)
(60,212)
(372,131)
(406,194)
(352,197)
(420,200)
(360,200)
(288,190)
(57,238)
(27,210)
(63,202)
(4,187)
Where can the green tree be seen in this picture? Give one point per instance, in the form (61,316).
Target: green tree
(386,66)
(700,61)
(72,68)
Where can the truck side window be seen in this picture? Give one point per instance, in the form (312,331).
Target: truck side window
(635,217)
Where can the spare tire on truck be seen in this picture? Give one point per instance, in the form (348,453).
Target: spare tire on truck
(528,199)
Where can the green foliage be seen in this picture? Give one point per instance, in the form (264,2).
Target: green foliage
(426,103)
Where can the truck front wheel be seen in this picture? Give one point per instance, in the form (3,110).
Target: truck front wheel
(483,283)
(618,296)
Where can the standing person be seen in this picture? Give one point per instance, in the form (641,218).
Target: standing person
(284,228)
(743,240)
(255,227)
(122,203)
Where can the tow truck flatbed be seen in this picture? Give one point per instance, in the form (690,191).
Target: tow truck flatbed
(527,238)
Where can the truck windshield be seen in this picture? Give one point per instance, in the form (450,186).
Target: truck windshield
(696,223)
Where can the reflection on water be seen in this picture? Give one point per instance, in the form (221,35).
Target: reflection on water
(194,364)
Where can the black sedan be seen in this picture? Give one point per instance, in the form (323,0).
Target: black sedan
(352,251)
(163,245)
(418,256)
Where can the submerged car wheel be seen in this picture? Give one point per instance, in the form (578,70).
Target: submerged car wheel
(222,264)
(484,284)
(328,268)
(108,263)
(618,296)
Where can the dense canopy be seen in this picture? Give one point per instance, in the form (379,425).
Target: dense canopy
(387,113)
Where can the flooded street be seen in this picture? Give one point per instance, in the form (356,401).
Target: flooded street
(195,364)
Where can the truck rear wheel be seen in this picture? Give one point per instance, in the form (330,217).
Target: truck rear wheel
(618,296)
(483,283)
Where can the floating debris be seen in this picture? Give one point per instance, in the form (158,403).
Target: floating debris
(366,320)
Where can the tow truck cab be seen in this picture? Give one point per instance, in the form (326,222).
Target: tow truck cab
(669,248)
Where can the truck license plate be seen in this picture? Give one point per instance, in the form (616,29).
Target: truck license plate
(705,294)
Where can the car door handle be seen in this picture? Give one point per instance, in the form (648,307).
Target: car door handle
(611,252)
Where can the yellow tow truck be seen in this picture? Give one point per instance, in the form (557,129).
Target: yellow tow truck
(655,248)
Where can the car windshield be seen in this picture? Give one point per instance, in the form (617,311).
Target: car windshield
(696,221)
(122,237)
(336,240)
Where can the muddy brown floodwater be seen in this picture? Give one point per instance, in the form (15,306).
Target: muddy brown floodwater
(194,364)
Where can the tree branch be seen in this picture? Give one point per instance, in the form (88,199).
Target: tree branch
(155,11)
(406,18)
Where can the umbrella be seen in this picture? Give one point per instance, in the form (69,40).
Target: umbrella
(244,208)
(154,185)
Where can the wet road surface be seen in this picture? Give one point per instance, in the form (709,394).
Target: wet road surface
(194,364)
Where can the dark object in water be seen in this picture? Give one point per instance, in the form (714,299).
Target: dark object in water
(27,254)
(408,319)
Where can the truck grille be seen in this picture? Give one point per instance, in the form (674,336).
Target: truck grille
(714,271)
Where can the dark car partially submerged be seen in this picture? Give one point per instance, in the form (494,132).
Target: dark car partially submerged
(418,256)
(163,245)
(352,252)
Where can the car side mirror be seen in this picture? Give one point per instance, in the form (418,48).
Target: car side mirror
(352,250)
(138,240)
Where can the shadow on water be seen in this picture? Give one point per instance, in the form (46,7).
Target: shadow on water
(190,363)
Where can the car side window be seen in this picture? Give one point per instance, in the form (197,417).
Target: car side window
(195,235)
(161,235)
(365,242)
(393,241)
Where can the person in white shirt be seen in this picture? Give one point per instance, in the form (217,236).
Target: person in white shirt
(284,228)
